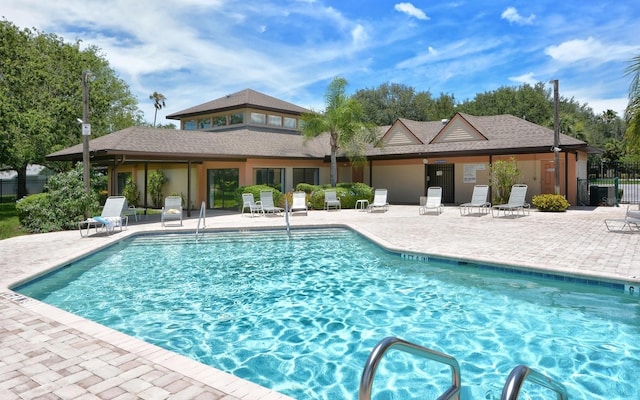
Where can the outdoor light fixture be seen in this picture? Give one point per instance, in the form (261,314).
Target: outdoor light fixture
(555,149)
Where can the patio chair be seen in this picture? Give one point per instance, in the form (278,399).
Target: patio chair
(112,217)
(266,199)
(248,202)
(299,203)
(172,210)
(631,221)
(478,200)
(379,201)
(433,202)
(331,200)
(515,204)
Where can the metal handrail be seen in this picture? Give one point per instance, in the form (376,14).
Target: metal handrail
(521,373)
(366,381)
(202,216)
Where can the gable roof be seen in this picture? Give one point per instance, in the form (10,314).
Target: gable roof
(495,134)
(242,99)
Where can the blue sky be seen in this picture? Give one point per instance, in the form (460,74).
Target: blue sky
(194,51)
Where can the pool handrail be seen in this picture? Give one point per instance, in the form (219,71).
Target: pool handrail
(202,216)
(521,373)
(386,344)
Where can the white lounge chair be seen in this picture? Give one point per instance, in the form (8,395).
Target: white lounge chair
(268,207)
(379,201)
(299,203)
(630,221)
(478,200)
(433,202)
(331,200)
(172,210)
(248,202)
(112,217)
(515,204)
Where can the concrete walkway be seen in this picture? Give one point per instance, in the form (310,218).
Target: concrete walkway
(46,353)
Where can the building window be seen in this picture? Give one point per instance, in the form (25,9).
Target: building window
(290,122)
(273,177)
(190,124)
(204,123)
(236,118)
(220,120)
(258,118)
(275,120)
(306,175)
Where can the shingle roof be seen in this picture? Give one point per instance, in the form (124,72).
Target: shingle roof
(501,134)
(242,99)
(157,143)
(504,133)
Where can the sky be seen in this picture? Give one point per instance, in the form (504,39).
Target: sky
(194,51)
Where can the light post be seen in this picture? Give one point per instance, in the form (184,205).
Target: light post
(556,137)
(86,130)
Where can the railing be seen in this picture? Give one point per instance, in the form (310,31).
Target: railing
(201,217)
(286,214)
(366,382)
(522,373)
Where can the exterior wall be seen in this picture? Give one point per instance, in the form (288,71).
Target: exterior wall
(404,180)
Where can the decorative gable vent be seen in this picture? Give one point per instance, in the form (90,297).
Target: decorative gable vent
(457,131)
(399,136)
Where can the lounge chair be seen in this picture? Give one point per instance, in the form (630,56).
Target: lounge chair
(478,200)
(299,203)
(331,200)
(172,210)
(433,202)
(379,201)
(112,217)
(631,221)
(266,199)
(248,202)
(515,204)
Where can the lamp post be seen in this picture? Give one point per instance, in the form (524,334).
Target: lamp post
(86,130)
(556,137)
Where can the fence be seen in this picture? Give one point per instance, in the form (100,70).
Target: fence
(610,184)
(9,187)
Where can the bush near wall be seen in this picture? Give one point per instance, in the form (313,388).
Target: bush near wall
(550,202)
(278,197)
(348,193)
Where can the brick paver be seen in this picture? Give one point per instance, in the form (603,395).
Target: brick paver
(46,353)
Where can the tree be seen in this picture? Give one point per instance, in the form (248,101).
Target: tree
(632,113)
(41,97)
(158,103)
(343,120)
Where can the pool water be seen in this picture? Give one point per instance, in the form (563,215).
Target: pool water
(300,314)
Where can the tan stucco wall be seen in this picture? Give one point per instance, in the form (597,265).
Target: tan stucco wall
(404,179)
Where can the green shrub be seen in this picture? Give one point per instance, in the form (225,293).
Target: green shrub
(348,193)
(156,182)
(550,202)
(131,193)
(61,207)
(278,197)
(503,175)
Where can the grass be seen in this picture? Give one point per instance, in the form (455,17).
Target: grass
(9,224)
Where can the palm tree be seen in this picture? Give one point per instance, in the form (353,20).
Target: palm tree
(343,119)
(632,113)
(158,103)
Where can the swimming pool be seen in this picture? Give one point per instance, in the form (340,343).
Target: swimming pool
(300,313)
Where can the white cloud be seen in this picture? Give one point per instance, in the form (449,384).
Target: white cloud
(526,78)
(589,49)
(511,14)
(411,10)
